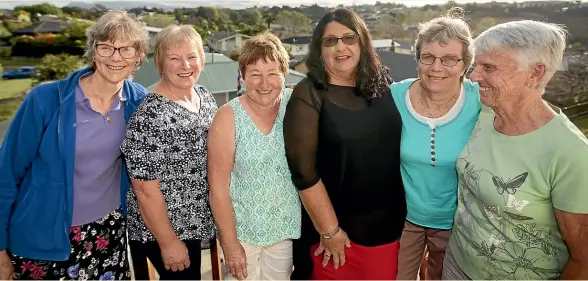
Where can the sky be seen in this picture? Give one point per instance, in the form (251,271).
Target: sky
(60,3)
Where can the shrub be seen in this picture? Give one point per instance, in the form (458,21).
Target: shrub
(54,67)
(5,53)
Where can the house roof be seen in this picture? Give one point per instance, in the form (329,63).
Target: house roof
(45,26)
(297,40)
(402,66)
(406,46)
(222,35)
(147,72)
(384,43)
(217,76)
(153,29)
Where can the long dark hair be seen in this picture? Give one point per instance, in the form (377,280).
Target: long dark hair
(371,75)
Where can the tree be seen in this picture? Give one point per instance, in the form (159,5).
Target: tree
(73,11)
(55,67)
(42,9)
(250,30)
(209,13)
(269,18)
(4,33)
(22,16)
(158,20)
(389,28)
(294,22)
(77,29)
(481,25)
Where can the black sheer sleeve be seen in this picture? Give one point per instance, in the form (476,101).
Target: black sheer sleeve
(301,124)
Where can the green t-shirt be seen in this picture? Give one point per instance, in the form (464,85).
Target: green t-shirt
(505,226)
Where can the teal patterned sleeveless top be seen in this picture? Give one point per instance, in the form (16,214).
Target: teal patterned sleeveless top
(265,202)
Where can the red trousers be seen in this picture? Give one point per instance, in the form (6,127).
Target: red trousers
(361,263)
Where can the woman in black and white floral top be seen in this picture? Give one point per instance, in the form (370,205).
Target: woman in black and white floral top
(165,148)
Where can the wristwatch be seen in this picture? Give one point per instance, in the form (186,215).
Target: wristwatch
(332,234)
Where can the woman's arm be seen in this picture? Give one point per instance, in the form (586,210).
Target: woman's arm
(144,155)
(318,205)
(19,147)
(569,192)
(221,154)
(154,211)
(574,230)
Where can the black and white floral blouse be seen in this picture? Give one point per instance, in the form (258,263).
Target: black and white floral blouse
(166,141)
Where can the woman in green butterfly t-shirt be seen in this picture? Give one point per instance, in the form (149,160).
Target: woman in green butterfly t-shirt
(523,184)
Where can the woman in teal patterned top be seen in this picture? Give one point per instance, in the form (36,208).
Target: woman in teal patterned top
(254,203)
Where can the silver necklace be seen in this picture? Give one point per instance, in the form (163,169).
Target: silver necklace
(95,97)
(426,105)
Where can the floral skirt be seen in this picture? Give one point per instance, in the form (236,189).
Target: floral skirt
(98,252)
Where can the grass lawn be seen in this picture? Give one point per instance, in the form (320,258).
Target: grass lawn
(582,123)
(8,63)
(7,110)
(11,88)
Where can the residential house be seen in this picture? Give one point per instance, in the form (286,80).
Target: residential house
(404,48)
(46,26)
(384,44)
(152,34)
(226,42)
(297,45)
(46,17)
(297,64)
(220,76)
(533,4)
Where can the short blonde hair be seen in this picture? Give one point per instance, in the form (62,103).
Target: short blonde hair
(176,34)
(449,27)
(117,25)
(265,46)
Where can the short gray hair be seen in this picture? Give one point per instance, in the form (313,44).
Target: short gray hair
(174,34)
(533,41)
(117,25)
(445,28)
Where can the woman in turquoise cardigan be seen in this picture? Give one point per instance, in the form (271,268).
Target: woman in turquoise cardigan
(439,111)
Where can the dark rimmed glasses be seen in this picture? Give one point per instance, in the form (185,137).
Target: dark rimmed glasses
(331,41)
(445,60)
(105,50)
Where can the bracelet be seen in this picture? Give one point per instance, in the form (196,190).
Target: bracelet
(332,234)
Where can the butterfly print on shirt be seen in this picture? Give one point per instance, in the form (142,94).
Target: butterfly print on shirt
(511,185)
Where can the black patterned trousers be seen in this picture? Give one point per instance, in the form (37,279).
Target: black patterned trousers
(98,252)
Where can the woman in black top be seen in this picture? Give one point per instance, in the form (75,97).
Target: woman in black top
(342,136)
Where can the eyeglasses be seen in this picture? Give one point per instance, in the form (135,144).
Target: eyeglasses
(105,50)
(445,60)
(331,41)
